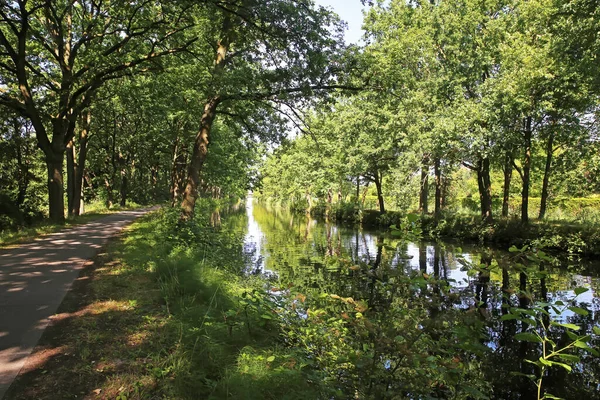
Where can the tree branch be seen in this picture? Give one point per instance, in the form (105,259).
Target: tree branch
(519,170)
(470,166)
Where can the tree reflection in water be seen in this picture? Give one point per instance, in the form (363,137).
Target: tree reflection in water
(427,284)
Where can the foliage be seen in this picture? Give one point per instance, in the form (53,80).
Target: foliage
(541,325)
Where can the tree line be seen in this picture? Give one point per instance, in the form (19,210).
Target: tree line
(505,88)
(126,94)
(122,100)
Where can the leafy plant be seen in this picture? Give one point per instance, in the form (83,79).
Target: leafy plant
(540,323)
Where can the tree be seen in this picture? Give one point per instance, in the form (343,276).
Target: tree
(259,60)
(54,55)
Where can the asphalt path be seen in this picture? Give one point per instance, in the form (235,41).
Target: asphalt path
(34,279)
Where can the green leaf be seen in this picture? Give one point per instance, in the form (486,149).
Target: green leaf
(569,357)
(525,311)
(528,337)
(585,346)
(580,290)
(568,326)
(556,310)
(596,330)
(513,249)
(507,317)
(579,310)
(530,321)
(545,362)
(537,363)
(271,359)
(530,376)
(412,217)
(565,366)
(572,336)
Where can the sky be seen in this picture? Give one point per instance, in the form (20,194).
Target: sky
(351,12)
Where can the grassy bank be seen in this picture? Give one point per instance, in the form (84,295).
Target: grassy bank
(43,227)
(558,236)
(562,235)
(166,312)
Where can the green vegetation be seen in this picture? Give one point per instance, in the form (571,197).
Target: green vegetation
(438,109)
(163,317)
(462,96)
(181,314)
(470,119)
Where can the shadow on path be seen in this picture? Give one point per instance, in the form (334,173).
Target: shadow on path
(34,279)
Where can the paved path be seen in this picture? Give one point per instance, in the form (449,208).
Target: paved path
(34,279)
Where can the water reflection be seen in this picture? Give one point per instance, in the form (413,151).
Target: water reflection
(300,251)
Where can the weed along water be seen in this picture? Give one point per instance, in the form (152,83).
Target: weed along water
(375,315)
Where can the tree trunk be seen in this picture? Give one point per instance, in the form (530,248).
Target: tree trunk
(77,205)
(177,170)
(109,193)
(485,188)
(423,198)
(178,178)
(378,183)
(70,177)
(508,169)
(198,157)
(208,116)
(438,187)
(123,188)
(547,171)
(357,189)
(23,175)
(62,132)
(56,200)
(154,174)
(526,173)
(110,183)
(329,204)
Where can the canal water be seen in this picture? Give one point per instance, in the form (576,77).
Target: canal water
(446,282)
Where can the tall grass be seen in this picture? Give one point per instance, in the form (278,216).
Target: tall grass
(220,347)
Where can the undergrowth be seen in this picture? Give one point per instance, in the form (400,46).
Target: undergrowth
(169,313)
(227,345)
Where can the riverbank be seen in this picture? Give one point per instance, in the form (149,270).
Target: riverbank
(568,238)
(565,237)
(165,312)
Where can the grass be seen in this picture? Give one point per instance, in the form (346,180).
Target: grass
(571,238)
(161,316)
(572,230)
(44,227)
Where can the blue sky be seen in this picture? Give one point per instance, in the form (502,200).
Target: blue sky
(351,12)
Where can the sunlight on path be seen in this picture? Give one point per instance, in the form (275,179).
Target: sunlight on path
(34,279)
